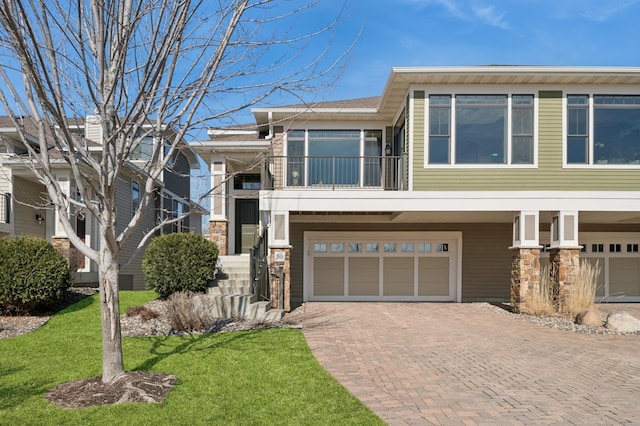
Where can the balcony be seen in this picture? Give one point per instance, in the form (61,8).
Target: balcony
(5,208)
(364,172)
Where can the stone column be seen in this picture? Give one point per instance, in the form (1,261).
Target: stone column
(525,276)
(281,258)
(219,233)
(564,269)
(69,252)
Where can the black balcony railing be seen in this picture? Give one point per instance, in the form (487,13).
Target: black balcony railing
(388,173)
(259,268)
(5,208)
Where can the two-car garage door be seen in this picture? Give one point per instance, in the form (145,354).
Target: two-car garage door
(392,266)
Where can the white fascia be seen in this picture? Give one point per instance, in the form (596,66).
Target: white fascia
(438,201)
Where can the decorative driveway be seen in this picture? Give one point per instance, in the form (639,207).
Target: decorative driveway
(451,364)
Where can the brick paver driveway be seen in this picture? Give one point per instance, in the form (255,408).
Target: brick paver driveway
(430,363)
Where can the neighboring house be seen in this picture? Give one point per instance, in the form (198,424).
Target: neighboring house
(455,184)
(24,209)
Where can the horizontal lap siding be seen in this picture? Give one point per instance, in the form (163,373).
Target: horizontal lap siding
(123,202)
(548,176)
(486,259)
(28,195)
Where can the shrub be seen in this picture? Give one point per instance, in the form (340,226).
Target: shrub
(143,312)
(583,296)
(189,312)
(179,262)
(541,299)
(33,275)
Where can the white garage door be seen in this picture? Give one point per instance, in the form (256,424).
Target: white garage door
(617,256)
(385,266)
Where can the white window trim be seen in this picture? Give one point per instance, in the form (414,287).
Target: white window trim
(362,127)
(490,90)
(590,93)
(133,208)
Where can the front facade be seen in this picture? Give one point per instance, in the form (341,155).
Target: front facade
(456,184)
(24,209)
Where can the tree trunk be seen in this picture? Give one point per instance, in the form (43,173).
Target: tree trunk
(108,270)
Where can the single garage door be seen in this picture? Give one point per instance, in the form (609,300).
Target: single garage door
(382,266)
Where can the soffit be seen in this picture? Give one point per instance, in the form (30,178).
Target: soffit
(603,217)
(402,79)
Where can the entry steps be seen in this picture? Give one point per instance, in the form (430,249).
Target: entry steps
(232,292)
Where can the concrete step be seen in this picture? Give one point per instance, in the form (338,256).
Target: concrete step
(232,305)
(262,311)
(234,261)
(230,288)
(235,280)
(232,276)
(274,315)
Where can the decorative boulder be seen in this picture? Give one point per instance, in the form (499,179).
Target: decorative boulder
(623,322)
(590,317)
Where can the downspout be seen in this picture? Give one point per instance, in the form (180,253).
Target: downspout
(269,135)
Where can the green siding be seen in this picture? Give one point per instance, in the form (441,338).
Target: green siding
(548,176)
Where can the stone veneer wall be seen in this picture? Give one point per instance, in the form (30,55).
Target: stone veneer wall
(525,276)
(564,269)
(69,252)
(275,279)
(219,234)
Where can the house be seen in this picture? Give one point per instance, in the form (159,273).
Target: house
(455,184)
(24,207)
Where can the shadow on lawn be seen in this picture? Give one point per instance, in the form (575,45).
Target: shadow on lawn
(163,347)
(14,395)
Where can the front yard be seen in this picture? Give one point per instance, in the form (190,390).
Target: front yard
(236,378)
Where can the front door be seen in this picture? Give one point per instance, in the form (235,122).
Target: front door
(246,224)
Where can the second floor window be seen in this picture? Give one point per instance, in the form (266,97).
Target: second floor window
(603,129)
(348,158)
(144,150)
(480,129)
(135,197)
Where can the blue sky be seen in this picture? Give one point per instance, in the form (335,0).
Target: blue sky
(400,33)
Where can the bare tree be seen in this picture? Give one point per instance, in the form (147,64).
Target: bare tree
(159,68)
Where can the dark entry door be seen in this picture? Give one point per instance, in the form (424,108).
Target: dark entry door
(246,225)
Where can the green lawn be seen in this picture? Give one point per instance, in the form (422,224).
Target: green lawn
(238,378)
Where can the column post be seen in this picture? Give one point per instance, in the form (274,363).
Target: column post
(525,260)
(218,222)
(564,256)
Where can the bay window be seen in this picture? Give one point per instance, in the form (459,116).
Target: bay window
(480,129)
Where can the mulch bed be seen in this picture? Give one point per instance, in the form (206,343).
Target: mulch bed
(133,386)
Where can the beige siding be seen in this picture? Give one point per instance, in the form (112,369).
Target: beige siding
(5,180)
(27,195)
(486,258)
(549,175)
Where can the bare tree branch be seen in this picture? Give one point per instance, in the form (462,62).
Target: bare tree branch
(140,71)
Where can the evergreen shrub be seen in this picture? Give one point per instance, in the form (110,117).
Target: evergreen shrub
(33,276)
(179,262)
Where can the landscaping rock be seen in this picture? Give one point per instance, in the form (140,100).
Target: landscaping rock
(590,317)
(623,322)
